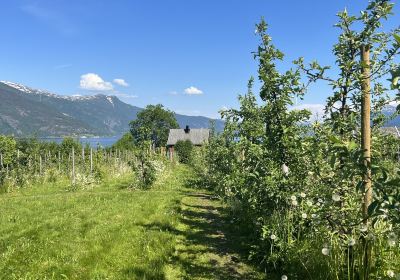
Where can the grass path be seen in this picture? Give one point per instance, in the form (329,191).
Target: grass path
(209,246)
(108,232)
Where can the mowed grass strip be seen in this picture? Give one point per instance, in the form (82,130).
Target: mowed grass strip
(105,233)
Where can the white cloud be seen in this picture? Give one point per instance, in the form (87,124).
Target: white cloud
(93,81)
(121,82)
(193,91)
(173,93)
(317,110)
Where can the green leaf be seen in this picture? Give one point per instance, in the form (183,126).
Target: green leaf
(394,182)
(333,161)
(360,186)
(335,139)
(352,145)
(397,38)
(372,207)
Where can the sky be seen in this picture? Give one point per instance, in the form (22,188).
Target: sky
(192,56)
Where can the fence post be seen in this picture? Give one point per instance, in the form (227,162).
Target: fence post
(73,166)
(366,143)
(59,161)
(40,164)
(91,160)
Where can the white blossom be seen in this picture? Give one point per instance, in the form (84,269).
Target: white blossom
(285,169)
(392,238)
(390,273)
(325,251)
(336,197)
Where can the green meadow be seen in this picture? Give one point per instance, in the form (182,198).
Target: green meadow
(113,232)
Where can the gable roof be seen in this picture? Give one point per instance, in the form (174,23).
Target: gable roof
(198,136)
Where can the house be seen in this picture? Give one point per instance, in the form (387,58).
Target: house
(198,137)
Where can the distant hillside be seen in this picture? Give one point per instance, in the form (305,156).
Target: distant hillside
(389,111)
(26,111)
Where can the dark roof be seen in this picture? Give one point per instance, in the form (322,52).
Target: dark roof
(198,136)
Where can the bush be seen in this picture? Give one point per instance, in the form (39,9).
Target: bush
(145,170)
(184,151)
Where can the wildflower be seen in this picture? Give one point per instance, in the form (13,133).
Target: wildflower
(273,236)
(352,242)
(304,216)
(318,204)
(284,277)
(293,197)
(392,238)
(285,169)
(313,216)
(309,203)
(325,251)
(336,197)
(303,195)
(390,273)
(294,202)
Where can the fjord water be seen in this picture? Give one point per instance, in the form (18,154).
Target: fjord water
(93,142)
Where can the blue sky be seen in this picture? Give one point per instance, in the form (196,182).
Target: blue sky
(192,56)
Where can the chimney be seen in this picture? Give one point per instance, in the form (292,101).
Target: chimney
(187,129)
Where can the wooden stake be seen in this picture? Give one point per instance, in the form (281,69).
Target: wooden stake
(59,161)
(366,147)
(73,166)
(91,160)
(366,126)
(40,164)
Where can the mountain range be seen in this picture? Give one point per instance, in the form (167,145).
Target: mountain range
(25,111)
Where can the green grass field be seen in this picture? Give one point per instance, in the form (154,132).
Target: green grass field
(111,232)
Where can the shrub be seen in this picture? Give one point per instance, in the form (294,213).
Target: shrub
(184,150)
(145,170)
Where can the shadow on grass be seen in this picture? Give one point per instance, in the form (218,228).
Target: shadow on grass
(209,247)
(223,253)
(152,270)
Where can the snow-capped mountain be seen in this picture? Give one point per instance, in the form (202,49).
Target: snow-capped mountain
(39,92)
(27,111)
